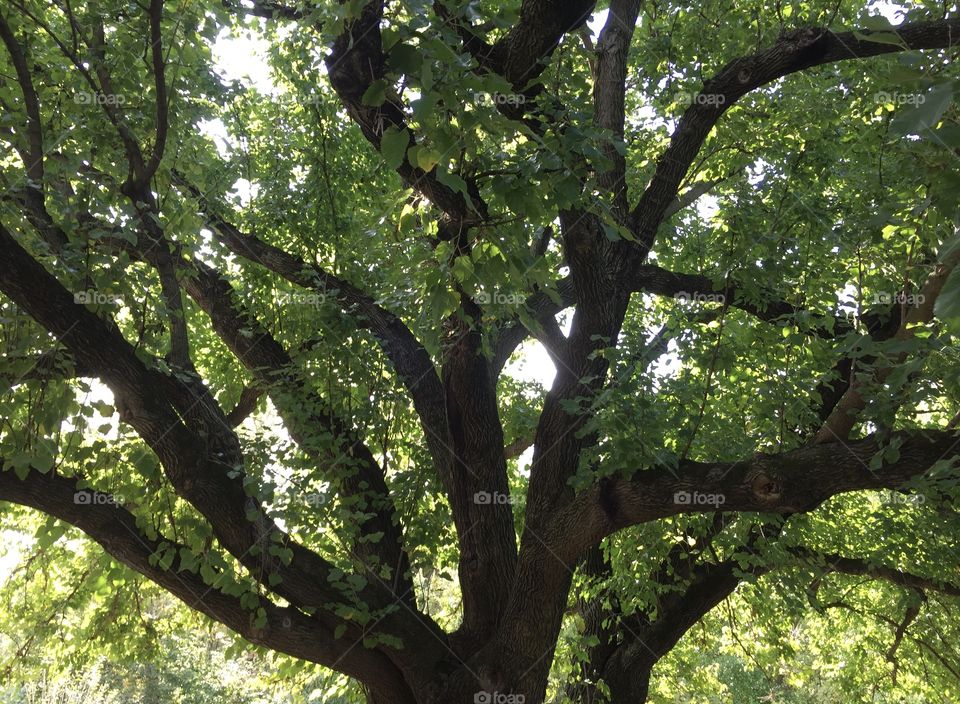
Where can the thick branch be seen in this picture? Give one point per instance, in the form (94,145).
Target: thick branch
(486,537)
(792,482)
(609,94)
(54,364)
(626,671)
(287,629)
(307,419)
(131,145)
(355,62)
(799,50)
(541,307)
(408,356)
(160,86)
(246,404)
(34,154)
(519,56)
(164,413)
(831,562)
(650,278)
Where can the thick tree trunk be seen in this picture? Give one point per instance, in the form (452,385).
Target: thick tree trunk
(404,697)
(513,600)
(627,685)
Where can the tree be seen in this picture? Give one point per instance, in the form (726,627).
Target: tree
(307,332)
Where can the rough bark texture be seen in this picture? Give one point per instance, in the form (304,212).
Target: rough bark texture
(515,593)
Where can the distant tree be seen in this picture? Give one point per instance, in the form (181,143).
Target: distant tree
(258,345)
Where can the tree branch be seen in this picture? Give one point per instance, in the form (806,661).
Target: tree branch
(34,153)
(793,482)
(840,423)
(263,8)
(690,196)
(627,670)
(609,94)
(355,62)
(650,278)
(53,364)
(797,51)
(160,86)
(286,630)
(408,356)
(163,412)
(249,398)
(304,413)
(519,56)
(832,562)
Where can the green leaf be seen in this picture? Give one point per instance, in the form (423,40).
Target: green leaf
(947,305)
(454,182)
(358,582)
(393,146)
(427,159)
(405,59)
(926,113)
(568,189)
(463,269)
(616,232)
(949,248)
(376,94)
(881,38)
(876,23)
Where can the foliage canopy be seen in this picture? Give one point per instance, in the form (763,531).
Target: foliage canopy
(263,349)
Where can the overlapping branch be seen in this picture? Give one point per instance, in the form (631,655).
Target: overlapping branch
(307,419)
(195,445)
(286,630)
(844,415)
(401,347)
(796,51)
